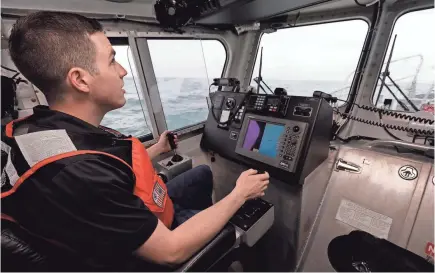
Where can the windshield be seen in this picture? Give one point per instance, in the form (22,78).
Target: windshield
(314,57)
(410,84)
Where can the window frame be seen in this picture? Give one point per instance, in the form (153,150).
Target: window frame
(224,68)
(386,52)
(198,125)
(305,24)
(123,41)
(124,38)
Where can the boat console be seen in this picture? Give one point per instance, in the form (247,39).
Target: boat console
(287,136)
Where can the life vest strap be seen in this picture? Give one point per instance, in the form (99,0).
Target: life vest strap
(52,159)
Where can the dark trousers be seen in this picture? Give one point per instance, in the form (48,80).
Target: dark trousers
(190,192)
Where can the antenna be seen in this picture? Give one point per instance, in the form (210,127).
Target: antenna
(259,79)
(259,71)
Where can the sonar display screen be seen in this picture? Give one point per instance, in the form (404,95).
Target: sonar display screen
(263,137)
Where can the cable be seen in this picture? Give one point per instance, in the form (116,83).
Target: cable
(393,114)
(346,140)
(388,131)
(380,112)
(330,98)
(389,126)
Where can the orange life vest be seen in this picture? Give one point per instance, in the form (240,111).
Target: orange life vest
(148,185)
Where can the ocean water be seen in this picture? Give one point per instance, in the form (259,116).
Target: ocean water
(185,101)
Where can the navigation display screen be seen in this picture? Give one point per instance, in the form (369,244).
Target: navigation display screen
(263,137)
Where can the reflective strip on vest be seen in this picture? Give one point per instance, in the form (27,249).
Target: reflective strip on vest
(9,169)
(39,146)
(52,159)
(5,148)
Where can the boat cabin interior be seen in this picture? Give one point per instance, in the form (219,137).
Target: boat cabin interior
(333,98)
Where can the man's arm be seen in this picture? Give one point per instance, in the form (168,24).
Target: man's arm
(154,151)
(174,247)
(162,146)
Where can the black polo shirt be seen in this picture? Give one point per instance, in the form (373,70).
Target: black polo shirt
(85,202)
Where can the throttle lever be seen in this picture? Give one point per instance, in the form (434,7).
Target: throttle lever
(171,139)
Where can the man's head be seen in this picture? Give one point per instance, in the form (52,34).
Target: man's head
(68,57)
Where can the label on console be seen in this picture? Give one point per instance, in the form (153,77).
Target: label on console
(364,219)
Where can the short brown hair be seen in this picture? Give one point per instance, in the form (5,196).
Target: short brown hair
(45,45)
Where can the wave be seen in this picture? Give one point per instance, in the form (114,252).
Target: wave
(185,101)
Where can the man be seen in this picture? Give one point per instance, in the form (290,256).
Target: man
(87,187)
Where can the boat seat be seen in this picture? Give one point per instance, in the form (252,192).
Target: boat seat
(24,252)
(8,88)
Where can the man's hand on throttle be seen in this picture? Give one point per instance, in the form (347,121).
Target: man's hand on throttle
(251,185)
(163,143)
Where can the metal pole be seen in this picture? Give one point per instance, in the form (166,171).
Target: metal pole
(397,99)
(387,72)
(403,94)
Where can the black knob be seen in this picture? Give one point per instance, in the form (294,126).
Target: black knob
(296,129)
(230,103)
(176,158)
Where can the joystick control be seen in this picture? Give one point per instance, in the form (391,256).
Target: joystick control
(171,139)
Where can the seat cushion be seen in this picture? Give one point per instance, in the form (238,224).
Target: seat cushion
(22,251)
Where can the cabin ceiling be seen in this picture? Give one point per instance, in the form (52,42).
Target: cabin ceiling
(242,12)
(264,9)
(140,9)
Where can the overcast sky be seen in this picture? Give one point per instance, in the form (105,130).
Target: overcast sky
(320,52)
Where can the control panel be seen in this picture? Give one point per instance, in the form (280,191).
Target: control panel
(258,102)
(273,141)
(250,212)
(239,115)
(287,136)
(253,220)
(268,104)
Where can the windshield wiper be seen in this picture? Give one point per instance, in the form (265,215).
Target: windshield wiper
(386,74)
(259,79)
(402,104)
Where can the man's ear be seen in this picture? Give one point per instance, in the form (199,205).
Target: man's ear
(79,79)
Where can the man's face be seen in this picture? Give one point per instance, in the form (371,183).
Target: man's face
(106,87)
